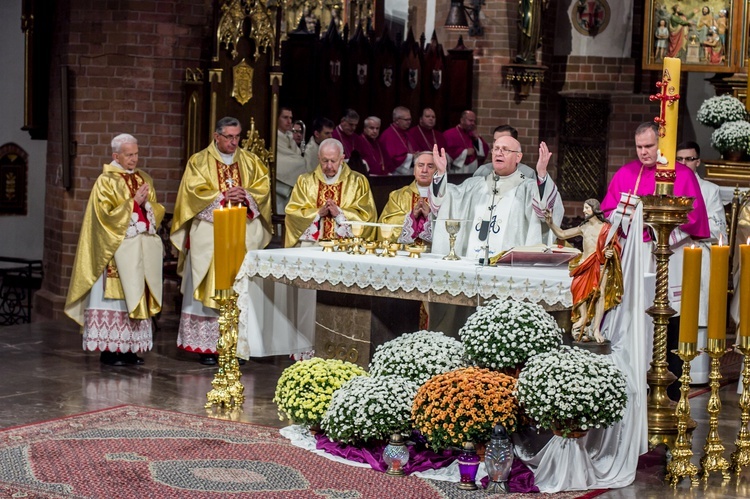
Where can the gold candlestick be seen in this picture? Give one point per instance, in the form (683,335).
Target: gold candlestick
(680,465)
(663,212)
(228,391)
(741,456)
(712,459)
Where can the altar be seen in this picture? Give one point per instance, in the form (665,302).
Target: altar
(295,300)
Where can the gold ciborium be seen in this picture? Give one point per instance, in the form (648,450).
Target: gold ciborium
(357,230)
(327,245)
(415,250)
(452,227)
(370,247)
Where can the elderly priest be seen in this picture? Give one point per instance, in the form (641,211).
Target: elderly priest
(323,201)
(410,206)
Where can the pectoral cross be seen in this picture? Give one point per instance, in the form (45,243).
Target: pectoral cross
(229,182)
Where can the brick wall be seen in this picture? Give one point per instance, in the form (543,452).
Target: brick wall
(127,60)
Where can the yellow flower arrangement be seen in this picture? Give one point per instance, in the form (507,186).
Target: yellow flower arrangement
(463,406)
(304,390)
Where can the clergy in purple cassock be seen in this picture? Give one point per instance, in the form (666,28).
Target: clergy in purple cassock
(467,149)
(639,178)
(344,133)
(374,155)
(424,136)
(395,141)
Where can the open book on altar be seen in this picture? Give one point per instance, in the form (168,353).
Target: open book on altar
(538,255)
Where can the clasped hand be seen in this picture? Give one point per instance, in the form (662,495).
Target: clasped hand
(141,195)
(235,195)
(329,208)
(421,209)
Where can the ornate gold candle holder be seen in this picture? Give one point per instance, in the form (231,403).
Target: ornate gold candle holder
(228,391)
(680,465)
(663,212)
(713,459)
(328,245)
(741,456)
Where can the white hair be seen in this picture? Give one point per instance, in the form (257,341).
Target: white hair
(330,143)
(123,138)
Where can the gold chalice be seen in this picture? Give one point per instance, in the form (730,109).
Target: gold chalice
(386,231)
(327,245)
(357,230)
(452,227)
(415,250)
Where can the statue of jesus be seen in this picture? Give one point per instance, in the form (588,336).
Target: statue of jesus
(597,274)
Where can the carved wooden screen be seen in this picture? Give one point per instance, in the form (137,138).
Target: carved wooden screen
(583,148)
(323,77)
(359,72)
(433,75)
(410,76)
(235,81)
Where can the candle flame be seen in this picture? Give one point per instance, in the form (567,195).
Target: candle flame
(721,239)
(748,240)
(692,246)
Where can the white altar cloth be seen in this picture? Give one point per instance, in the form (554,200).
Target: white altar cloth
(430,273)
(277,319)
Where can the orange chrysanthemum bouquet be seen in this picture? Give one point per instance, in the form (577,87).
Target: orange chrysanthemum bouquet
(463,406)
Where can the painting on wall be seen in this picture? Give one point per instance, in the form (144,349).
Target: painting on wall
(13,174)
(704,34)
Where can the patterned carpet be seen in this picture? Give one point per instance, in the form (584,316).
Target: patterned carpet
(131,451)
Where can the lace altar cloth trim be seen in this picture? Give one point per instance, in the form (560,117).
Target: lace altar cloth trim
(430,273)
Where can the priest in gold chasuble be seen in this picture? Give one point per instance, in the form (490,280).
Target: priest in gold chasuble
(221,174)
(115,286)
(323,201)
(410,206)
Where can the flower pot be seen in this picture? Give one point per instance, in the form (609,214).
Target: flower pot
(732,155)
(570,433)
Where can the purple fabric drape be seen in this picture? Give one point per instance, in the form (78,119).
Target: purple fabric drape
(521,478)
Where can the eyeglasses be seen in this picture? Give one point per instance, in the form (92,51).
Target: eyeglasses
(230,138)
(295,130)
(687,158)
(504,151)
(403,119)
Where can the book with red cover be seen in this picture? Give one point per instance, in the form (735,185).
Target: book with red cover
(538,256)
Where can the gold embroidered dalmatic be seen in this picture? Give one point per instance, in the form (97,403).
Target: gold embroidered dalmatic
(105,221)
(351,193)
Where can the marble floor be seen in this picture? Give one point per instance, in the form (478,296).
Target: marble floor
(46,375)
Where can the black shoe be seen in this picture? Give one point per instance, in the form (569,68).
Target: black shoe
(207,359)
(111,359)
(132,358)
(241,361)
